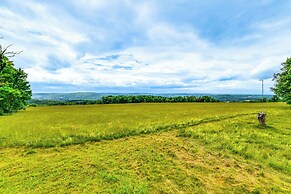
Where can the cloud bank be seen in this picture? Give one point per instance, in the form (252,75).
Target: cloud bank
(148,46)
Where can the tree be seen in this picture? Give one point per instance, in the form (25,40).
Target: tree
(283,82)
(14,88)
(274,98)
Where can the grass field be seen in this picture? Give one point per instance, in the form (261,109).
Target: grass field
(146,148)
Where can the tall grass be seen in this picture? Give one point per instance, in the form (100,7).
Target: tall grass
(269,145)
(66,125)
(208,148)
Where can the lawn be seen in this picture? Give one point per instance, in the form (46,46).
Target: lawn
(146,148)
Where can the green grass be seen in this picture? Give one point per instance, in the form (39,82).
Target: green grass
(270,145)
(146,148)
(67,125)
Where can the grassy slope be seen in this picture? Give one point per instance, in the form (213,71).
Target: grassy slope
(222,155)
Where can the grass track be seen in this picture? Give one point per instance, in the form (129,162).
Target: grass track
(149,163)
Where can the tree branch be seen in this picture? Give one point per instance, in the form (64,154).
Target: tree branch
(8,53)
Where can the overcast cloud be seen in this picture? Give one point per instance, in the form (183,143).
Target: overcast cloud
(220,46)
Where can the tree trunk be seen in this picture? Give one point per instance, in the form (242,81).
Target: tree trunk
(262,118)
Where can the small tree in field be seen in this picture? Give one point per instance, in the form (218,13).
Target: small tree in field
(283,82)
(14,88)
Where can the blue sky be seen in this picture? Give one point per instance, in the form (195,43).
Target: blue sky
(158,46)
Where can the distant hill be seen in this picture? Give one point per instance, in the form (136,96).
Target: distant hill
(98,96)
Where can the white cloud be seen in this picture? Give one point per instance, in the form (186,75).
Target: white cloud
(42,34)
(152,52)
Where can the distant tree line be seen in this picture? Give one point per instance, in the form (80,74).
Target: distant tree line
(273,99)
(150,98)
(36,102)
(121,99)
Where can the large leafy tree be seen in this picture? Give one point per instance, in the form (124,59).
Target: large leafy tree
(283,82)
(14,87)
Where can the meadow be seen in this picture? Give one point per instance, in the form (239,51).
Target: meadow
(146,148)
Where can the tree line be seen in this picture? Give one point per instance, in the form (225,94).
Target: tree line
(121,99)
(150,98)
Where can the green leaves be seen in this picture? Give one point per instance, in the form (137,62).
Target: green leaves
(9,102)
(283,82)
(14,88)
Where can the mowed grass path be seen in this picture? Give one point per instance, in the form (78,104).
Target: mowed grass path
(196,148)
(66,125)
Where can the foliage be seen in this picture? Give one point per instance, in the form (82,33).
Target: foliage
(283,82)
(151,98)
(222,153)
(14,88)
(36,102)
(274,98)
(121,99)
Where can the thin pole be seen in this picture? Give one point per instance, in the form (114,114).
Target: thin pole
(262,95)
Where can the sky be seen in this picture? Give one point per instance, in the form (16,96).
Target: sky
(148,46)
